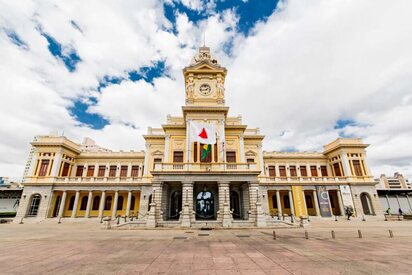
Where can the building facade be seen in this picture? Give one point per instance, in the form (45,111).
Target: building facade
(10,195)
(172,183)
(395,194)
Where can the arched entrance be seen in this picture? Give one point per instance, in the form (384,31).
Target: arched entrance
(205,205)
(235,204)
(56,206)
(366,204)
(175,205)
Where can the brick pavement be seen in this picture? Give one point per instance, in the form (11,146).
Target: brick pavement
(85,248)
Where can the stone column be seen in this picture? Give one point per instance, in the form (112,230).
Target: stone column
(167,145)
(101,205)
(339,195)
(187,209)
(278,203)
(223,195)
(116,198)
(154,213)
(188,141)
(146,160)
(316,203)
(129,201)
(345,164)
(89,202)
(292,208)
(62,204)
(261,162)
(76,202)
(260,215)
(242,152)
(56,164)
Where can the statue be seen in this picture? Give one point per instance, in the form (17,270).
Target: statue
(220,87)
(189,88)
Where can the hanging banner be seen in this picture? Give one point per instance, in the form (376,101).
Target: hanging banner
(347,198)
(299,201)
(323,198)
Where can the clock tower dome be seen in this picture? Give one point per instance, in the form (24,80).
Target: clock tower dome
(204,80)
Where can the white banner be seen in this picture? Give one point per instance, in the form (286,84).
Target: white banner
(346,196)
(202,132)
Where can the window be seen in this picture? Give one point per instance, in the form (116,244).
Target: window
(178,156)
(336,168)
(357,168)
(108,203)
(90,171)
(274,202)
(135,171)
(303,171)
(34,206)
(156,160)
(282,171)
(71,203)
(272,171)
(309,202)
(83,204)
(79,171)
(120,203)
(250,160)
(65,171)
(132,202)
(292,170)
(313,171)
(286,202)
(195,152)
(43,167)
(324,171)
(102,170)
(112,171)
(231,157)
(123,171)
(96,201)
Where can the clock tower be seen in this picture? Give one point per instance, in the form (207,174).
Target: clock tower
(204,80)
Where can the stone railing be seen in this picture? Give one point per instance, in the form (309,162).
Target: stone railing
(317,179)
(84,180)
(207,167)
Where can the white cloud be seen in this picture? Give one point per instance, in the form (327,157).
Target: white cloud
(315,62)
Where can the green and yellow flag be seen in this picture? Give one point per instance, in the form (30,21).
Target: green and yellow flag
(206,151)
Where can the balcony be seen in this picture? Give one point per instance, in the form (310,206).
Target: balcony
(317,179)
(205,167)
(82,180)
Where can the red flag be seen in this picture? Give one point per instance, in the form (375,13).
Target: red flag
(203,134)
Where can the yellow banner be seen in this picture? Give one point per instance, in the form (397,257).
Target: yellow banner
(299,202)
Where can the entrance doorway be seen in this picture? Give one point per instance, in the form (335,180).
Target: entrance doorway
(56,206)
(366,204)
(175,205)
(205,201)
(235,205)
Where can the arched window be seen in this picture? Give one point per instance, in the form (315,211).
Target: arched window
(83,205)
(366,204)
(309,202)
(96,201)
(34,205)
(120,203)
(286,201)
(56,206)
(274,202)
(175,204)
(150,201)
(108,203)
(71,203)
(235,204)
(132,203)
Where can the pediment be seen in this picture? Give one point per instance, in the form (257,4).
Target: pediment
(204,66)
(157,153)
(250,153)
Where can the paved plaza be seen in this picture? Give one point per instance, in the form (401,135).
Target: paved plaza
(86,248)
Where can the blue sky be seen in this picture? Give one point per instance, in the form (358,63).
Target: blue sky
(304,72)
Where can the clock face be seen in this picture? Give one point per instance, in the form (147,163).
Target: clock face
(205,89)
